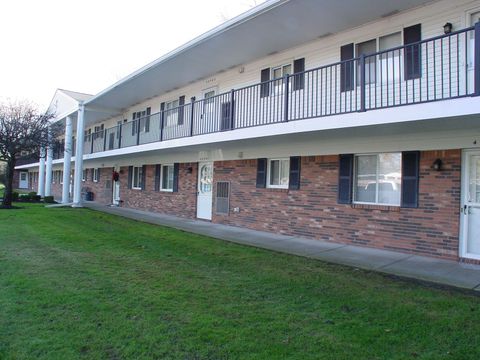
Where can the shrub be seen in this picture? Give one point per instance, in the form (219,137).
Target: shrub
(48,199)
(15,196)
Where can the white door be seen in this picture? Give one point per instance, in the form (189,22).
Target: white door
(116,190)
(470,210)
(23,183)
(205,185)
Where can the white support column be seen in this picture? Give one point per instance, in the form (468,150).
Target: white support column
(48,171)
(41,174)
(67,161)
(77,181)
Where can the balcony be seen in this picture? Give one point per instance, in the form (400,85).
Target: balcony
(431,70)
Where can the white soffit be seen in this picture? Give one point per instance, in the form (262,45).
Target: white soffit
(271,27)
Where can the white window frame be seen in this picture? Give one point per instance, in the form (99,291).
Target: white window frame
(354,183)
(84,175)
(60,180)
(269,166)
(277,84)
(162,185)
(171,117)
(95,175)
(137,178)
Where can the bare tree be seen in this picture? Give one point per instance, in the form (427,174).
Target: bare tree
(23,129)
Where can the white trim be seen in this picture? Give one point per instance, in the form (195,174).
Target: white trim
(269,161)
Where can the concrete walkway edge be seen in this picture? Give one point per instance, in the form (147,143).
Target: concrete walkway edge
(429,269)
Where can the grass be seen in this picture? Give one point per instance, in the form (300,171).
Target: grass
(75,283)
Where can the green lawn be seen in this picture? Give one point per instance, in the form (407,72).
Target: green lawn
(75,283)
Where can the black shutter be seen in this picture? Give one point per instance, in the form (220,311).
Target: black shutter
(412,58)
(181,109)
(147,119)
(347,68)
(345,179)
(144,177)
(176,167)
(299,80)
(134,124)
(130,177)
(294,178)
(158,168)
(410,174)
(261,173)
(265,86)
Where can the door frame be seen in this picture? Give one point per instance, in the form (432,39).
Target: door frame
(198,190)
(114,186)
(463,235)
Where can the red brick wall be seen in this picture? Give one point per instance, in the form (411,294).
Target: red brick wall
(16,179)
(312,211)
(102,190)
(57,189)
(181,203)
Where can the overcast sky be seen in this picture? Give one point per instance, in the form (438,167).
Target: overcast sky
(87,45)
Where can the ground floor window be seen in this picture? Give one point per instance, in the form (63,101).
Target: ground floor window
(137,177)
(378,179)
(96,176)
(167,178)
(278,173)
(84,175)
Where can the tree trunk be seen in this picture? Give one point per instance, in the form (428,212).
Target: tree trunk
(8,194)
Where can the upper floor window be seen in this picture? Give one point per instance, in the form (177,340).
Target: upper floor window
(171,113)
(386,66)
(378,179)
(272,78)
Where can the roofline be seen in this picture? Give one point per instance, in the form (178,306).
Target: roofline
(227,25)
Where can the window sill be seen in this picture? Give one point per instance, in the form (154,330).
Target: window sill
(376,207)
(166,190)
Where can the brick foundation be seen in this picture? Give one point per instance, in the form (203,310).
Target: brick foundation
(102,190)
(313,212)
(181,203)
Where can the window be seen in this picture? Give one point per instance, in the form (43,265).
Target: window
(389,62)
(277,74)
(84,174)
(137,177)
(378,179)
(167,178)
(367,48)
(96,176)
(278,173)
(171,113)
(60,176)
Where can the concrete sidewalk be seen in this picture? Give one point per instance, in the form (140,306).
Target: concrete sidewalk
(412,266)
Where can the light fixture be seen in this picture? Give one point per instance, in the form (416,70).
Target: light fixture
(190,170)
(447,28)
(437,165)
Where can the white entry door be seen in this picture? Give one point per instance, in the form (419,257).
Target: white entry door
(470,211)
(23,183)
(205,186)
(116,190)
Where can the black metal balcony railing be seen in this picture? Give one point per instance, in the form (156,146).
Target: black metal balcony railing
(444,67)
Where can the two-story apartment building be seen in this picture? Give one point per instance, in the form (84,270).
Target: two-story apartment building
(353,122)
